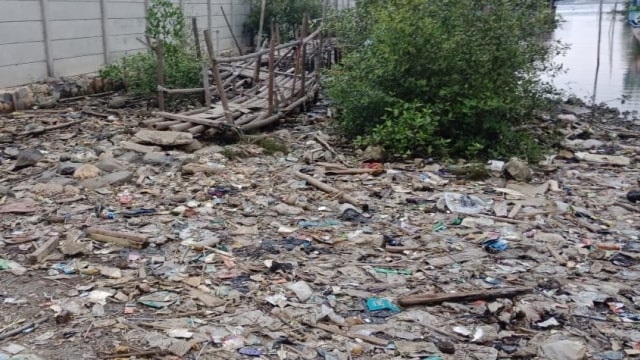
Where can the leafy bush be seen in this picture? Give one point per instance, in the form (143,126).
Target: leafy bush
(287,13)
(166,22)
(446,77)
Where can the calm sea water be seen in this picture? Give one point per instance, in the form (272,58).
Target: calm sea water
(619,73)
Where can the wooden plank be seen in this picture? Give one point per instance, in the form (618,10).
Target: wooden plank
(44,251)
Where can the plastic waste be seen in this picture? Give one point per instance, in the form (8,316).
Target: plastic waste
(464,204)
(391,241)
(160,299)
(392,271)
(318,224)
(376,304)
(352,215)
(609,355)
(250,351)
(12,266)
(495,243)
(633,196)
(125,197)
(138,212)
(439,227)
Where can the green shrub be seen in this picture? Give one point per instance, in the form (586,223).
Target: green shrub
(287,13)
(138,72)
(459,78)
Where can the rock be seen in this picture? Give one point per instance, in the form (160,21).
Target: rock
(64,181)
(129,157)
(83,85)
(568,117)
(284,209)
(163,138)
(118,102)
(46,102)
(194,168)
(116,178)
(128,145)
(563,350)
(518,170)
(157,158)
(603,159)
(28,157)
(11,151)
(213,149)
(86,171)
(109,164)
(194,146)
(47,190)
(373,153)
(23,99)
(4,190)
(68,168)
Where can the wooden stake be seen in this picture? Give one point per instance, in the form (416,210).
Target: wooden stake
(160,69)
(196,36)
(328,189)
(303,54)
(434,299)
(216,77)
(370,339)
(41,130)
(272,54)
(118,234)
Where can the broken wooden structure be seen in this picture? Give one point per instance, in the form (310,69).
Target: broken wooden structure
(251,93)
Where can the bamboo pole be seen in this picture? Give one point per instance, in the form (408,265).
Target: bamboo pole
(216,77)
(272,55)
(160,73)
(303,53)
(205,75)
(256,71)
(231,30)
(226,60)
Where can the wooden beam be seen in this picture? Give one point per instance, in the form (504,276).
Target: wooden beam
(435,299)
(216,77)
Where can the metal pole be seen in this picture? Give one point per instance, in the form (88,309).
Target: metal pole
(46,31)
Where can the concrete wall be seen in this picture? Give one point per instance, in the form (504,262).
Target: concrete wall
(40,38)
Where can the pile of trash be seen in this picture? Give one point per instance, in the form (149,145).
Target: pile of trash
(121,242)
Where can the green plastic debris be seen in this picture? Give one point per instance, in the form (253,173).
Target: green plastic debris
(160,299)
(439,226)
(4,264)
(392,271)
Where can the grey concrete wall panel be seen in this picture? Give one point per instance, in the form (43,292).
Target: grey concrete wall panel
(75,33)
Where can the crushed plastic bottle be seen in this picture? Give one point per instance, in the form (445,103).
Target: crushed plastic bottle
(464,204)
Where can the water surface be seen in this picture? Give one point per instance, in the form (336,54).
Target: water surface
(618,82)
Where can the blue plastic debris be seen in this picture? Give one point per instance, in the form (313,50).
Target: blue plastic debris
(495,245)
(376,304)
